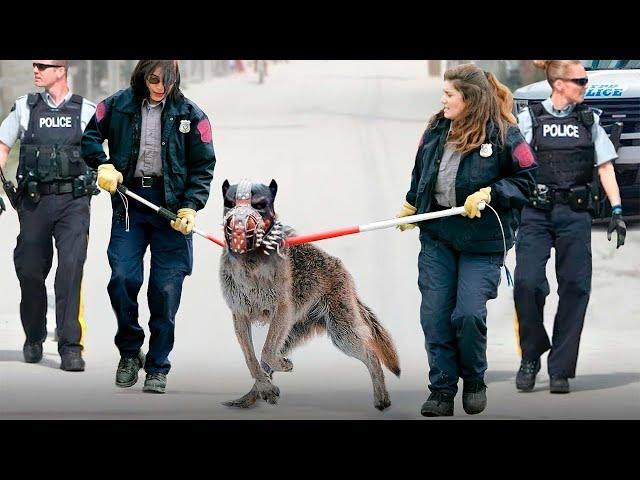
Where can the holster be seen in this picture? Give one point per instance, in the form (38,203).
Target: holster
(10,189)
(580,198)
(33,193)
(541,198)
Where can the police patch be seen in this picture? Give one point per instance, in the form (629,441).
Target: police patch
(523,154)
(204,128)
(185,126)
(100,111)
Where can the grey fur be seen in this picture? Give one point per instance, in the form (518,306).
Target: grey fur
(299,293)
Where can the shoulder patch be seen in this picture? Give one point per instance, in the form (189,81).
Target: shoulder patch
(524,155)
(100,111)
(204,129)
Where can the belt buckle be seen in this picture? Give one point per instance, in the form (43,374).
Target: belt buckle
(147,182)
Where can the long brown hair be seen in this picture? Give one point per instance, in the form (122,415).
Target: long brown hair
(485,99)
(555,69)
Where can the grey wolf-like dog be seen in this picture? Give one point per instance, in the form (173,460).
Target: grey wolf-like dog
(299,291)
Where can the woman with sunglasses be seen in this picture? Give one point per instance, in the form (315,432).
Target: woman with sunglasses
(160,147)
(568,141)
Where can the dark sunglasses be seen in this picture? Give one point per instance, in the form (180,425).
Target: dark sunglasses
(578,81)
(154,79)
(44,66)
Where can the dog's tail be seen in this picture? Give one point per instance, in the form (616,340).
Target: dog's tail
(381,342)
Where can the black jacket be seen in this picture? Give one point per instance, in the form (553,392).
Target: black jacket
(509,171)
(188,159)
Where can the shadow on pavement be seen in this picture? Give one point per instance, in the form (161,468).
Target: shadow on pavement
(16,356)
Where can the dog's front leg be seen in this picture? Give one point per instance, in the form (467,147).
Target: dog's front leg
(263,388)
(242,326)
(279,328)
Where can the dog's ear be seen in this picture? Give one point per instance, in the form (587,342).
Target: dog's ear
(273,186)
(225,187)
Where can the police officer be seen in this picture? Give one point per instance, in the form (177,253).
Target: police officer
(568,140)
(471,151)
(160,147)
(54,191)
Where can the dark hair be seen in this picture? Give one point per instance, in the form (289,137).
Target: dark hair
(170,75)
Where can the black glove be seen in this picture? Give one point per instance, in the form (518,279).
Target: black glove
(617,224)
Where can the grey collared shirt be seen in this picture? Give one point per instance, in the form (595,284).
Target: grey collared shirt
(445,190)
(604,149)
(150,159)
(16,124)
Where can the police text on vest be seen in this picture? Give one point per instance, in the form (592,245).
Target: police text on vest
(51,122)
(560,131)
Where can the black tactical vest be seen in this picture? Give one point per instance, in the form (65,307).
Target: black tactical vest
(564,146)
(50,149)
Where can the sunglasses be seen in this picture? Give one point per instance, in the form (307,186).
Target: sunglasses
(44,66)
(578,81)
(154,79)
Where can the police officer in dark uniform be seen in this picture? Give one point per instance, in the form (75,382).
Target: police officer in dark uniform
(472,151)
(160,147)
(568,141)
(53,200)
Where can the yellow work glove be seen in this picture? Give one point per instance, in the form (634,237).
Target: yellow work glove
(108,177)
(406,210)
(185,222)
(471,209)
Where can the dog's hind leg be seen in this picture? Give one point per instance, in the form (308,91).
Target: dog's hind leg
(263,388)
(349,333)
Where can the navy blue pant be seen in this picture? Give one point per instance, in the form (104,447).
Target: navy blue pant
(455,288)
(171,261)
(569,233)
(65,219)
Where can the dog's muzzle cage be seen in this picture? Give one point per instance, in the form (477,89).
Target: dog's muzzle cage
(244,229)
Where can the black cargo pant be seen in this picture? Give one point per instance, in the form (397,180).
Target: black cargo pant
(569,233)
(65,219)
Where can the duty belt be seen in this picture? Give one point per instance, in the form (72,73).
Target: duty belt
(55,187)
(559,196)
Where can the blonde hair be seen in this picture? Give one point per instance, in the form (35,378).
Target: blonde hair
(555,69)
(485,98)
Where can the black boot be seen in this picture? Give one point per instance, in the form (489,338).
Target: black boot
(155,383)
(439,404)
(127,372)
(32,352)
(559,384)
(474,396)
(526,377)
(71,362)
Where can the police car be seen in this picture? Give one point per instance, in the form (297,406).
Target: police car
(614,89)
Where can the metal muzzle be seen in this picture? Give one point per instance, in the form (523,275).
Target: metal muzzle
(243,229)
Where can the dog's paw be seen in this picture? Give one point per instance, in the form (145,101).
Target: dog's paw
(286,365)
(277,364)
(245,401)
(382,403)
(268,392)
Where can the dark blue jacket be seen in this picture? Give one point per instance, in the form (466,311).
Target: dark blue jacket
(509,171)
(188,159)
